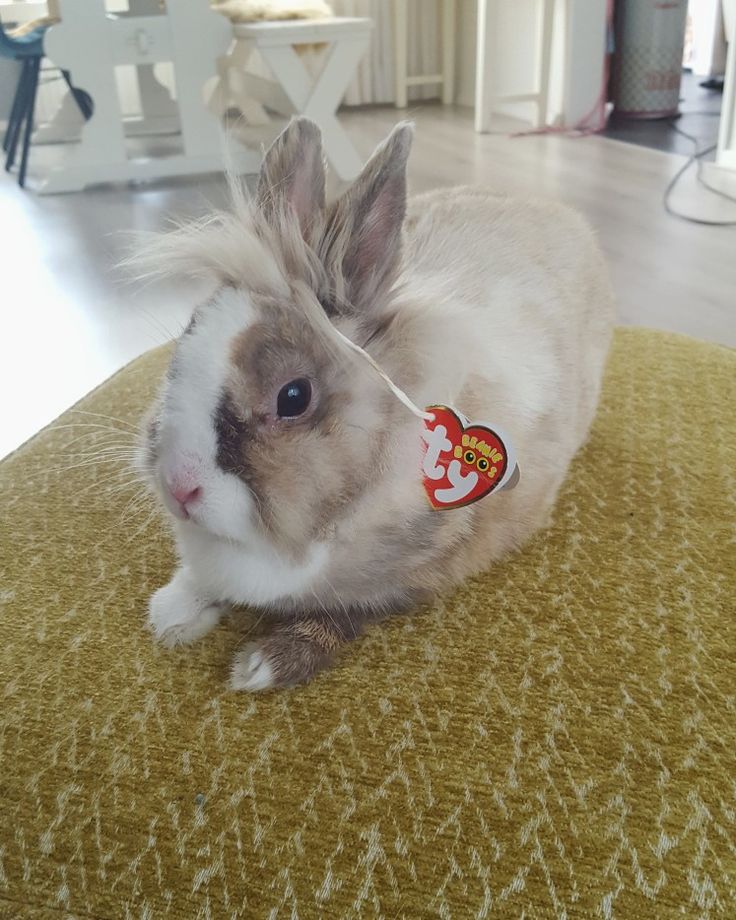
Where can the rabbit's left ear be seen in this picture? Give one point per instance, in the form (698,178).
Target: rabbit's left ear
(292,176)
(361,249)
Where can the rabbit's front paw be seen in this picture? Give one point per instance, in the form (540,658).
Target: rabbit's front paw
(292,654)
(177,616)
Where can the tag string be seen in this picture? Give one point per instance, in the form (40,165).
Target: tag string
(398,393)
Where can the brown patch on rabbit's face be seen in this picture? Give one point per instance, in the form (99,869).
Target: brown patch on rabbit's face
(301,471)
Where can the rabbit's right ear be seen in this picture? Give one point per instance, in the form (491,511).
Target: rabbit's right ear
(292,176)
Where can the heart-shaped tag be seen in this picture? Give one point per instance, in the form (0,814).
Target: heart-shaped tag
(463,462)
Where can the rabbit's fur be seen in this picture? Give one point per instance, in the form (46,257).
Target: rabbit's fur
(498,307)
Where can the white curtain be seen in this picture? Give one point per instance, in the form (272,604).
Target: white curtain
(374,81)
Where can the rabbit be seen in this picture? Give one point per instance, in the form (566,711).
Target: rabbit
(291,471)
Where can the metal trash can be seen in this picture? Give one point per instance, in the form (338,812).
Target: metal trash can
(650,36)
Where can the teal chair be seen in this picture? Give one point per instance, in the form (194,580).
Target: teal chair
(28,50)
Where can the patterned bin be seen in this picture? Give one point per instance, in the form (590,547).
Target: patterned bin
(650,35)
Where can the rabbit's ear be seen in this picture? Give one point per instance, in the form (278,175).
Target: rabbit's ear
(293,174)
(361,249)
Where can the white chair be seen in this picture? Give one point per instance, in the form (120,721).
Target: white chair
(292,88)
(486,101)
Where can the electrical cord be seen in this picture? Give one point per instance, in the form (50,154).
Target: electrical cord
(700,177)
(697,158)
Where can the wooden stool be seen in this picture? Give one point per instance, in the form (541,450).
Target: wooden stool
(293,90)
(401,45)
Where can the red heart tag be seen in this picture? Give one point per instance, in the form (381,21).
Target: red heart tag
(462,462)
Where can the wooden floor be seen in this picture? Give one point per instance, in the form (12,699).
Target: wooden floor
(667,273)
(69,321)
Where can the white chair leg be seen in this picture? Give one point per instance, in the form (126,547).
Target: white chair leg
(401,42)
(545,58)
(483,66)
(232,89)
(448,52)
(219,100)
(290,72)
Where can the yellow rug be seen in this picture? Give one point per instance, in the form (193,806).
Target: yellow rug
(556,739)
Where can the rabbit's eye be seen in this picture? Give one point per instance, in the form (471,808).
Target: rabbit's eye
(294,398)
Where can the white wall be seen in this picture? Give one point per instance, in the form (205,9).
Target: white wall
(709,46)
(726,156)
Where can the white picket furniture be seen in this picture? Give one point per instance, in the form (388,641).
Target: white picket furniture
(91,43)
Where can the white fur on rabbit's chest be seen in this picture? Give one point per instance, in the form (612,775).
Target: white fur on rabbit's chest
(253,574)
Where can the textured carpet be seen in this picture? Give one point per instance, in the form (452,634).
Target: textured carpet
(556,739)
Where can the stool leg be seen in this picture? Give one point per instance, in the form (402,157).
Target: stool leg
(17,126)
(484,65)
(401,41)
(448,52)
(15,110)
(29,122)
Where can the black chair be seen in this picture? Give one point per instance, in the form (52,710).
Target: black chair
(28,49)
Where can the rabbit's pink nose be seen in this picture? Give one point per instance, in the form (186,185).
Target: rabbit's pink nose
(185,493)
(183,487)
